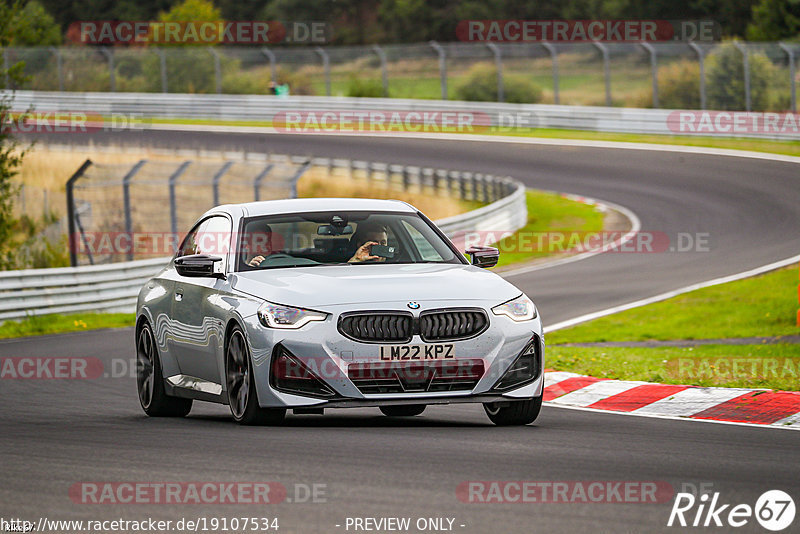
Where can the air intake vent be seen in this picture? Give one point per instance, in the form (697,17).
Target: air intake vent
(377,327)
(452,325)
(408,377)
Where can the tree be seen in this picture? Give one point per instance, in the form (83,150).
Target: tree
(34,26)
(725,79)
(10,156)
(774,20)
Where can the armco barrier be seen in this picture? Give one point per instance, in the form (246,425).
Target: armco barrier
(265,108)
(114,287)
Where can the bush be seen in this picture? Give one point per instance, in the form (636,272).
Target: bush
(679,85)
(725,79)
(359,87)
(480,85)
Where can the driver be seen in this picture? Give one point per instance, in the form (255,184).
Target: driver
(365,237)
(260,244)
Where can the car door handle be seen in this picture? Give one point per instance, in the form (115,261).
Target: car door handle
(179,295)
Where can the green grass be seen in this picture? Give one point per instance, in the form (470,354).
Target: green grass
(547,212)
(57,324)
(761,306)
(764,305)
(757,366)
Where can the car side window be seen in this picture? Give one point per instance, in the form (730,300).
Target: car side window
(189,245)
(425,249)
(210,236)
(214,237)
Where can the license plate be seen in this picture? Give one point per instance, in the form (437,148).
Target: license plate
(439,351)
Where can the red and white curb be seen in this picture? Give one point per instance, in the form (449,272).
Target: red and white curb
(780,409)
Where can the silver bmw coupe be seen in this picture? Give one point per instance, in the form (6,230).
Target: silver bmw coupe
(334,303)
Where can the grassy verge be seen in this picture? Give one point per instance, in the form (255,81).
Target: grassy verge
(789,148)
(57,324)
(547,212)
(765,305)
(751,366)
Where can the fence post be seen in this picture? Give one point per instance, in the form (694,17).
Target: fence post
(257,182)
(72,216)
(217,177)
(173,208)
(793,88)
(126,202)
(326,65)
(273,68)
(384,69)
(303,168)
(498,61)
(162,61)
(701,60)
(606,69)
(554,58)
(746,63)
(111,74)
(442,67)
(5,68)
(217,70)
(654,69)
(59,67)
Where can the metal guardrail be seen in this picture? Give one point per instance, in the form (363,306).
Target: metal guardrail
(489,116)
(114,287)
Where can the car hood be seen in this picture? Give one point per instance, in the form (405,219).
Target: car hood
(312,287)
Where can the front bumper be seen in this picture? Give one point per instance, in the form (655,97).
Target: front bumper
(329,355)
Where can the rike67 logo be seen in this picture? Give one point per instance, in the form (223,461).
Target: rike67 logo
(774,510)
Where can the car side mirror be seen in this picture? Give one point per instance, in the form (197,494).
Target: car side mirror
(200,265)
(484,257)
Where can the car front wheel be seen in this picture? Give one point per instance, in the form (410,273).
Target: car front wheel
(515,413)
(242,396)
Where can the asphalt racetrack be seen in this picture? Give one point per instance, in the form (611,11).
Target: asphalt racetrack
(56,433)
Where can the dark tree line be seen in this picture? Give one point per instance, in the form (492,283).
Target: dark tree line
(405,21)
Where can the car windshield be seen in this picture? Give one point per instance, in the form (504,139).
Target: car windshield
(339,238)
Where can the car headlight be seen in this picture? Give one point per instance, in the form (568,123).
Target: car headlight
(279,316)
(519,309)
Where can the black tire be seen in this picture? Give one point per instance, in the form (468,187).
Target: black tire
(516,413)
(150,381)
(403,410)
(242,395)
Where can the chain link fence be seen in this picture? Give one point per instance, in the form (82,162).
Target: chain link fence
(732,75)
(110,206)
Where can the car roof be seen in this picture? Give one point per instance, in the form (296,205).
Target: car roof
(307,205)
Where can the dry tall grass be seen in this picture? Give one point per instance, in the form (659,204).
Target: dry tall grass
(48,170)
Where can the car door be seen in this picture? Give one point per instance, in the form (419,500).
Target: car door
(197,325)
